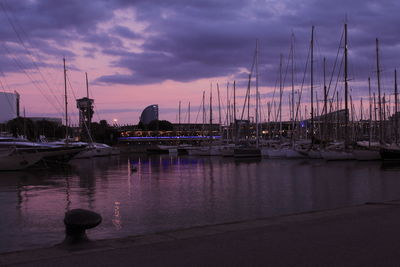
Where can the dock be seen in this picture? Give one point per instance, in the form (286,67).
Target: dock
(364,235)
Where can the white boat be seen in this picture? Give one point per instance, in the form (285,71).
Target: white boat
(95,150)
(12,159)
(50,152)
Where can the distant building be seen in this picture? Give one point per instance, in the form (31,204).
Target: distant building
(9,106)
(149,114)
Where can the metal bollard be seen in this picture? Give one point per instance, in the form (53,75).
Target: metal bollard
(76,222)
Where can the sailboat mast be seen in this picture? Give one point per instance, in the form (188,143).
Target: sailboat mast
(204,110)
(87,85)
(88,115)
(189,114)
(396,122)
(312,85)
(234,110)
(228,109)
(219,106)
(370,111)
(378,74)
(346,92)
(211,117)
(280,96)
(179,114)
(325,111)
(66,102)
(292,103)
(257,98)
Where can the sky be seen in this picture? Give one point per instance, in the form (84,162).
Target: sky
(138,53)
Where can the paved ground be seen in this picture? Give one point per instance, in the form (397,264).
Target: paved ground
(367,235)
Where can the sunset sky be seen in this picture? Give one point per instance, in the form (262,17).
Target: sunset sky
(143,52)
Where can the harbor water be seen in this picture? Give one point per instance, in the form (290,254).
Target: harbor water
(173,192)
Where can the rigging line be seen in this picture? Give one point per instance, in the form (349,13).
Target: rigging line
(335,63)
(302,84)
(73,93)
(284,78)
(28,52)
(338,77)
(273,94)
(34,82)
(247,98)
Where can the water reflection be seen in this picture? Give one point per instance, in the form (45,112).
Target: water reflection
(169,192)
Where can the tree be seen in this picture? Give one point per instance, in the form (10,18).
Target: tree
(47,128)
(22,126)
(162,125)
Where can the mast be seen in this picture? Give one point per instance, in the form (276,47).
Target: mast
(378,74)
(204,110)
(292,103)
(87,85)
(325,111)
(370,111)
(228,114)
(219,111)
(189,114)
(375,116)
(280,97)
(346,92)
(88,109)
(66,102)
(257,98)
(337,116)
(211,118)
(179,114)
(312,85)
(234,110)
(396,122)
(219,106)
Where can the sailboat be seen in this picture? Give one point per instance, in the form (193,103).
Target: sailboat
(340,150)
(392,152)
(247,151)
(368,150)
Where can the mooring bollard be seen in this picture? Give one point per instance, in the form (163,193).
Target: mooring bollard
(76,222)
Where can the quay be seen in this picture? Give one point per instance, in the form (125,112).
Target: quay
(364,235)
